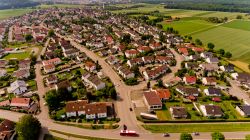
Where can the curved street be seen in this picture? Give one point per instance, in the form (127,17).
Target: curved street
(127,117)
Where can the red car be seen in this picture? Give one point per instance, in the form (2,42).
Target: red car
(128,133)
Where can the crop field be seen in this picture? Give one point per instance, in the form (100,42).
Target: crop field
(234,40)
(190,128)
(239,24)
(188,26)
(13,12)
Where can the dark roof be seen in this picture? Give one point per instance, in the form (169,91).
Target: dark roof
(214,91)
(245,109)
(179,112)
(7,125)
(213,110)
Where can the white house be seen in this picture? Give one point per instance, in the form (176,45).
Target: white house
(75,108)
(96,110)
(211,110)
(18,87)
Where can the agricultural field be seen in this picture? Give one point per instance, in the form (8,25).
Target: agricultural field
(188,25)
(231,39)
(190,128)
(4,14)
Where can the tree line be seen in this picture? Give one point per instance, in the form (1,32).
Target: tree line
(11,4)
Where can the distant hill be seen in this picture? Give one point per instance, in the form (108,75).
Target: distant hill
(9,4)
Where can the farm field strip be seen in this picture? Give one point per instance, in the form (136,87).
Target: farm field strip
(190,128)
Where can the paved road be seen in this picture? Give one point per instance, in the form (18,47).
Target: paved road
(123,104)
(10,34)
(235,90)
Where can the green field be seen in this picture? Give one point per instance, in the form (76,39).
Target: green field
(187,26)
(239,24)
(4,14)
(13,12)
(234,40)
(190,128)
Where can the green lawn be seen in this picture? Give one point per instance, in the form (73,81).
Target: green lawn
(18,56)
(189,128)
(235,41)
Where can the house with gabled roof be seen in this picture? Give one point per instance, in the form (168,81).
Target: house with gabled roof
(211,111)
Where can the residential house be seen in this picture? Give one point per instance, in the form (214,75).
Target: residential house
(156,46)
(49,68)
(164,94)
(135,62)
(7,130)
(190,80)
(24,103)
(24,64)
(18,87)
(90,66)
(188,91)
(22,74)
(76,108)
(131,53)
(54,61)
(155,73)
(227,68)
(125,72)
(148,59)
(152,101)
(211,111)
(191,65)
(183,50)
(96,110)
(3,72)
(71,53)
(94,81)
(178,112)
(244,110)
(207,55)
(241,77)
(51,79)
(209,81)
(211,91)
(143,49)
(64,85)
(212,60)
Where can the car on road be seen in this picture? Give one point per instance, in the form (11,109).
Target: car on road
(196,133)
(165,135)
(129,133)
(130,109)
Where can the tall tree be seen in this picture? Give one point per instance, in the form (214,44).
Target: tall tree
(28,128)
(210,46)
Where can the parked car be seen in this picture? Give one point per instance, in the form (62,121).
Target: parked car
(196,133)
(165,135)
(130,109)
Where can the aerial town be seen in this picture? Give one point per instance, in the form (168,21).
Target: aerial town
(73,66)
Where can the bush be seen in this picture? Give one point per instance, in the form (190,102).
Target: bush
(131,81)
(217,136)
(186,136)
